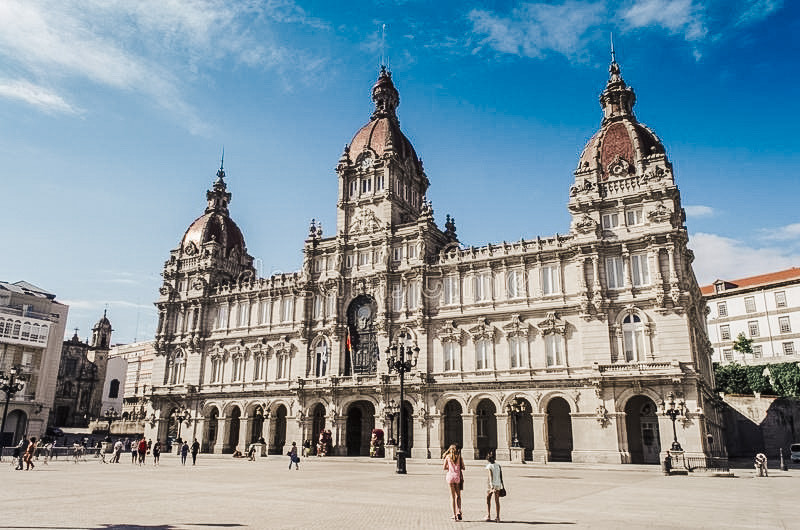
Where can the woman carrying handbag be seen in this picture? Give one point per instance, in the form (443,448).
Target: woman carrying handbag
(495,488)
(454,465)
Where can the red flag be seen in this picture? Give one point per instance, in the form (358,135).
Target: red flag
(348,340)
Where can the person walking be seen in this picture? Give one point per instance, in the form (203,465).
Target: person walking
(134,451)
(141,449)
(293,458)
(454,465)
(761,465)
(195,450)
(117,451)
(184,449)
(29,452)
(495,487)
(156,453)
(19,452)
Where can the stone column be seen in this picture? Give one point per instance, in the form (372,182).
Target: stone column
(437,434)
(265,432)
(223,426)
(420,449)
(293,434)
(503,451)
(197,430)
(468,434)
(339,435)
(244,439)
(540,452)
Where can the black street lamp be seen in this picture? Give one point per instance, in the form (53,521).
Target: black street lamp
(391,410)
(10,383)
(180,415)
(673,411)
(515,408)
(400,365)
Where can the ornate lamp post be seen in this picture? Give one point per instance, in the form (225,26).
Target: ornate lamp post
(396,359)
(674,410)
(10,383)
(515,408)
(180,415)
(391,409)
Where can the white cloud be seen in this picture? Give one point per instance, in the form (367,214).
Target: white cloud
(676,16)
(784,233)
(533,30)
(719,257)
(758,10)
(698,211)
(151,47)
(38,96)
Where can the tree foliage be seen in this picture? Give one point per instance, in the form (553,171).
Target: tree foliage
(782,379)
(742,344)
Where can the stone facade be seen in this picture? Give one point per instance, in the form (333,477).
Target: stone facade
(81,377)
(31,332)
(589,331)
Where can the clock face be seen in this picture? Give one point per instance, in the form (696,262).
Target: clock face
(364,312)
(366,163)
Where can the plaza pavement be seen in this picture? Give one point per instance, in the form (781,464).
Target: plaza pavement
(355,493)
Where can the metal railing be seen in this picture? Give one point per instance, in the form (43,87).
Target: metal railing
(711,464)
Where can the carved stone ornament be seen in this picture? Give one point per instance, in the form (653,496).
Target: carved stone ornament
(365,222)
(483,330)
(580,188)
(517,327)
(657,173)
(619,167)
(190,249)
(586,224)
(552,324)
(449,332)
(660,214)
(601,415)
(198,284)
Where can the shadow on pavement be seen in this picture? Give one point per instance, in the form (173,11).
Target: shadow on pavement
(125,526)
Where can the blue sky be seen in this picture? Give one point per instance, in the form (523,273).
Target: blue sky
(114,114)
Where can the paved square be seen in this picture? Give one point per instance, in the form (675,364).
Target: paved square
(221,492)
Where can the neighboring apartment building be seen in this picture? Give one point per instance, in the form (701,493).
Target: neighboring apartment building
(137,383)
(589,331)
(766,308)
(31,332)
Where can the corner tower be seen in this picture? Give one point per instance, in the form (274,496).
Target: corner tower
(381,180)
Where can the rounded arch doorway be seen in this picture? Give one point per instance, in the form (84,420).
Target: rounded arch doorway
(360,422)
(362,352)
(641,428)
(453,425)
(559,430)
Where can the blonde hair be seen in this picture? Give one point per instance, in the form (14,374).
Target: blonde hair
(453,453)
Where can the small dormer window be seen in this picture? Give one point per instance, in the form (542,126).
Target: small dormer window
(719,287)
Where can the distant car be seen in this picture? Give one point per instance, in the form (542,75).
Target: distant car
(54,431)
(794,453)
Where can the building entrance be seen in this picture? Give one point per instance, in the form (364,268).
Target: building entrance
(360,422)
(641,422)
(559,430)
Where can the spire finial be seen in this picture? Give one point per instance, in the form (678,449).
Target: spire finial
(383,47)
(613,54)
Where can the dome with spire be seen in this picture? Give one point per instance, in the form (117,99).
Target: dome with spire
(383,133)
(622,144)
(215,224)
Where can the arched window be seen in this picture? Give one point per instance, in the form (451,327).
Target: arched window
(321,358)
(633,338)
(113,389)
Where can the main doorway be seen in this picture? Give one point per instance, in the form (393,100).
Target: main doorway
(641,425)
(360,422)
(559,430)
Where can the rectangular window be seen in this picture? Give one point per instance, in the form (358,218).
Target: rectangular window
(379,183)
(752,326)
(244,315)
(286,310)
(366,185)
(317,306)
(266,305)
(515,352)
(413,295)
(550,280)
(397,297)
(553,351)
(318,265)
(483,286)
(780,299)
(449,349)
(222,320)
(610,220)
(788,348)
(450,286)
(725,332)
(514,284)
(758,351)
(363,258)
(634,217)
(353,188)
(750,304)
(283,367)
(727,354)
(722,309)
(348,261)
(482,355)
(397,253)
(640,273)
(784,324)
(412,251)
(614,273)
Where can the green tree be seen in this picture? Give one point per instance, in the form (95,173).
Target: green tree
(743,345)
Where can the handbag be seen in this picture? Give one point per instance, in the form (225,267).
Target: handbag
(502,492)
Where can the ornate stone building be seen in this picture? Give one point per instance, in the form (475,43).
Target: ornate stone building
(590,331)
(81,377)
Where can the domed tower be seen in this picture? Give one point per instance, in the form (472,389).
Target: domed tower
(211,252)
(98,354)
(623,183)
(381,180)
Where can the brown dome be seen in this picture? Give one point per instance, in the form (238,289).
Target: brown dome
(213,226)
(374,136)
(625,139)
